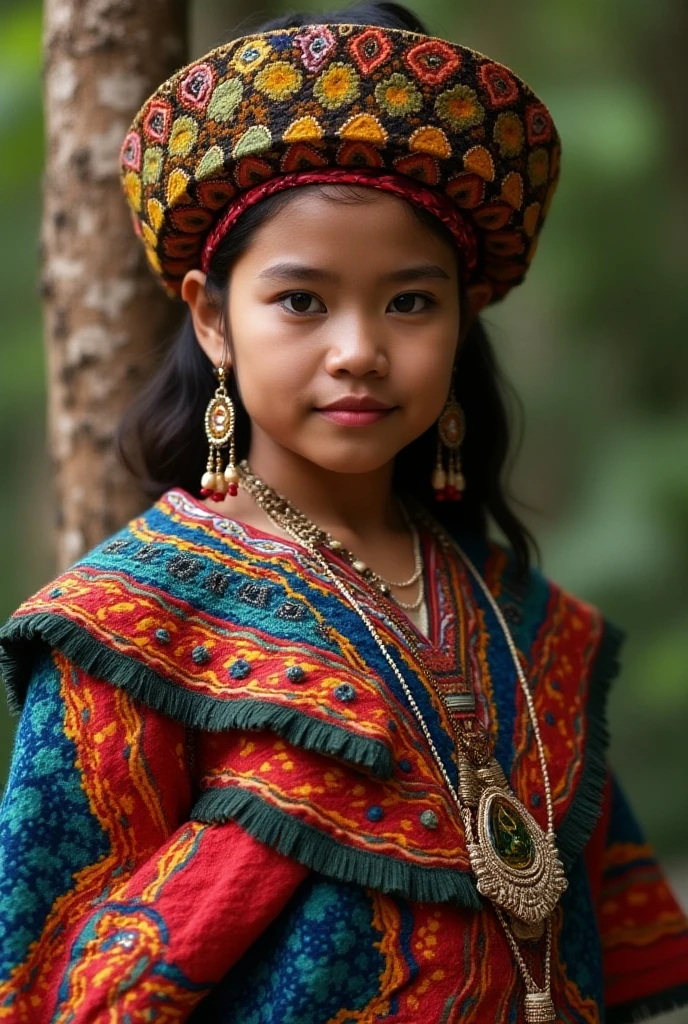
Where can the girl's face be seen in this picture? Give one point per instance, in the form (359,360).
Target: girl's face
(341,302)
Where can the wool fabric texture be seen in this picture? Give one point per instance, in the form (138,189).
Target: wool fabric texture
(354,97)
(193,830)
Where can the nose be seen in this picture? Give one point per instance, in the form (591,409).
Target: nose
(356,347)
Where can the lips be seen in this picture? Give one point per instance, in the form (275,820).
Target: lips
(356,410)
(356,403)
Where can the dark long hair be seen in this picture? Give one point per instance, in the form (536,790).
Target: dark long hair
(161,438)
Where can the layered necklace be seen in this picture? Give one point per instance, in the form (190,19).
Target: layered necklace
(515,863)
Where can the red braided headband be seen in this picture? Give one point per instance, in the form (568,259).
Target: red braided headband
(435,203)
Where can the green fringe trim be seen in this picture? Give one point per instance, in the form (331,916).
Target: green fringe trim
(320,852)
(586,806)
(19,636)
(650,1006)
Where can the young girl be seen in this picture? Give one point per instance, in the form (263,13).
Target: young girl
(300,744)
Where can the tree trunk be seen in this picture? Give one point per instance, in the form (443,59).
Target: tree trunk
(105,316)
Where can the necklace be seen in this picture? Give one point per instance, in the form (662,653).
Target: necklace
(515,863)
(272,502)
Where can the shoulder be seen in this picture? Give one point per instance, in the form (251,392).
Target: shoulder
(108,599)
(211,625)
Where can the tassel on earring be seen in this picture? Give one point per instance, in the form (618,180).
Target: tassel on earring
(219,429)
(449,483)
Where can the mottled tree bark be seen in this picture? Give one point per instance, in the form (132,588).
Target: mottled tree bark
(104,313)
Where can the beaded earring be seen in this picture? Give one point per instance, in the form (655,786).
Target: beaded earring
(449,483)
(219,429)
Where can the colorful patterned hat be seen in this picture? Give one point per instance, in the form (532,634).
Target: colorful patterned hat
(438,123)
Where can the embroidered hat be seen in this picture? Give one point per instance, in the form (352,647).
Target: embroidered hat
(434,121)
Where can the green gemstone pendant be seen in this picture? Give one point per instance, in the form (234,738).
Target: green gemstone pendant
(510,837)
(515,863)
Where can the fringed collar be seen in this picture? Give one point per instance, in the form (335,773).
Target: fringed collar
(228,629)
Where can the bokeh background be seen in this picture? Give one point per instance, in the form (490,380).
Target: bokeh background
(594,343)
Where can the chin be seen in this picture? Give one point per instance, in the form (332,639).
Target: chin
(352,460)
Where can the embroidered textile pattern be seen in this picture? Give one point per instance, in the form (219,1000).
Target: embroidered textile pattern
(46,790)
(321,959)
(301,746)
(348,97)
(108,610)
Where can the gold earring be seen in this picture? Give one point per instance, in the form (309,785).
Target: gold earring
(219,429)
(449,483)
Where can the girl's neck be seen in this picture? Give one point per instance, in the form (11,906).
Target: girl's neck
(362,505)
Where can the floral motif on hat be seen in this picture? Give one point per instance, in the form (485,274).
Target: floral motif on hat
(251,170)
(420,166)
(316,46)
(479,160)
(191,219)
(359,154)
(512,189)
(149,236)
(459,107)
(183,136)
(467,190)
(251,55)
(279,81)
(225,99)
(300,156)
(254,140)
(180,246)
(130,153)
(370,49)
(397,95)
(538,124)
(493,215)
(210,165)
(132,189)
(215,194)
(433,62)
(364,128)
(177,184)
(538,167)
(303,129)
(504,243)
(499,84)
(337,87)
(156,213)
(429,139)
(509,134)
(157,122)
(196,86)
(152,165)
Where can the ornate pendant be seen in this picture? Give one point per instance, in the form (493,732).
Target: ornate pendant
(539,1007)
(516,865)
(219,420)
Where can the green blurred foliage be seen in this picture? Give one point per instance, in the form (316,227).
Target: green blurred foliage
(594,343)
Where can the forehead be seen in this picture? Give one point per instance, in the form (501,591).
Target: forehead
(350,223)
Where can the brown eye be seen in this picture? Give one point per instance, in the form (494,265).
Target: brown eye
(300,302)
(407,303)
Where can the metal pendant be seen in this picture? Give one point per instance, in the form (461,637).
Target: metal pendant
(516,865)
(539,1007)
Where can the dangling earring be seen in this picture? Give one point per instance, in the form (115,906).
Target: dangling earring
(449,483)
(219,429)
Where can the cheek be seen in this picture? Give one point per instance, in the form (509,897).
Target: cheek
(273,370)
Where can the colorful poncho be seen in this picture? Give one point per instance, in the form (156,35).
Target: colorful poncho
(221,809)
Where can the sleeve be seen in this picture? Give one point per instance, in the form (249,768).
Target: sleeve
(114,906)
(643,930)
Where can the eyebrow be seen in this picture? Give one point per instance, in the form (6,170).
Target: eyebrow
(302,272)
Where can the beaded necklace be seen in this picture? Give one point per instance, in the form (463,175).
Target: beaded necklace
(516,864)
